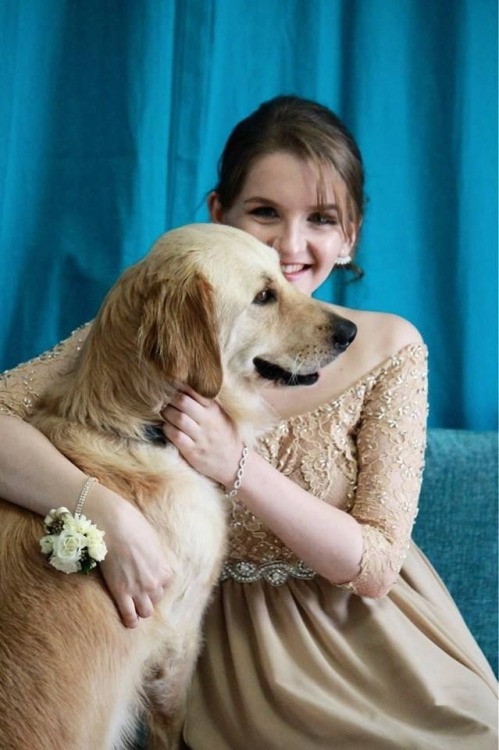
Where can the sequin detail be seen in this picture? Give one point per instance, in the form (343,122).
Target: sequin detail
(21,387)
(275,573)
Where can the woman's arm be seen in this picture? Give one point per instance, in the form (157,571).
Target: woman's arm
(391,444)
(33,473)
(326,538)
(36,476)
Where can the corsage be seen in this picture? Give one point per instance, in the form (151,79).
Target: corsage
(73,543)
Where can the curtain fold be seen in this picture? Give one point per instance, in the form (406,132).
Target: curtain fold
(114,114)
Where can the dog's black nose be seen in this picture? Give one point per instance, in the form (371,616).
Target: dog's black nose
(344,332)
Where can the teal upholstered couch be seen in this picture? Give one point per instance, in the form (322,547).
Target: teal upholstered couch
(457,525)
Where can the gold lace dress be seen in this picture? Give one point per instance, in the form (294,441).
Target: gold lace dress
(292,662)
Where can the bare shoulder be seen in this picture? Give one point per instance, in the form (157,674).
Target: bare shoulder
(383,334)
(380,336)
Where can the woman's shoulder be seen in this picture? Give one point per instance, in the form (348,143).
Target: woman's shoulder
(380,335)
(22,386)
(386,333)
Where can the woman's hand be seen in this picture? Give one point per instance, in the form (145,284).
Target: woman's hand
(204,435)
(135,569)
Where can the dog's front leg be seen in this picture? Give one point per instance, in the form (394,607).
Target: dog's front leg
(166,689)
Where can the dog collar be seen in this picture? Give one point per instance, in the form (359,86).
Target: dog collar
(154,434)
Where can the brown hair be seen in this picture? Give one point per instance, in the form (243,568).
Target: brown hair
(308,130)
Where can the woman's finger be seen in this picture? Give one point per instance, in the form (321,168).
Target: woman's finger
(156,595)
(165,577)
(190,403)
(143,605)
(194,396)
(126,607)
(180,419)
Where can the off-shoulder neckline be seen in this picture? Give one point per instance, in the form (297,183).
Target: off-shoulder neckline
(360,381)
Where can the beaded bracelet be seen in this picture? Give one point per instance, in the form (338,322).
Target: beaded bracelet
(239,474)
(83,495)
(72,542)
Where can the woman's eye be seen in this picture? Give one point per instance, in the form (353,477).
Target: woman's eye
(323,219)
(264,212)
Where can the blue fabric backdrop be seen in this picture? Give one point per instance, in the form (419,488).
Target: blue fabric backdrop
(113,114)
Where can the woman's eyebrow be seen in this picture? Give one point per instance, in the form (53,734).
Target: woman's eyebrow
(258,199)
(325,207)
(316,207)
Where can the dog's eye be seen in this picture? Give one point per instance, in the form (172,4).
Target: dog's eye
(264,297)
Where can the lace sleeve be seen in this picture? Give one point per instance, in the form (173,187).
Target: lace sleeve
(21,387)
(391,444)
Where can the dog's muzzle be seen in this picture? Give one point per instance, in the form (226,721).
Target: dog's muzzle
(344,332)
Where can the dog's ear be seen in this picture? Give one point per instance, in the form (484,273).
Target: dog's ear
(179,334)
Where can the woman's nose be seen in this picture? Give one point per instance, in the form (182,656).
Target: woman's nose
(289,243)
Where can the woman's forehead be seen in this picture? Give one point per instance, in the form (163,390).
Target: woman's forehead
(282,169)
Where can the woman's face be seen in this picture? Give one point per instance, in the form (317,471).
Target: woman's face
(278,205)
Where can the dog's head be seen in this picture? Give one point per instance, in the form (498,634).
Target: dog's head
(207,307)
(216,308)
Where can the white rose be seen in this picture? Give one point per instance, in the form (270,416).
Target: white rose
(83,524)
(55,514)
(76,525)
(67,551)
(46,544)
(64,567)
(95,544)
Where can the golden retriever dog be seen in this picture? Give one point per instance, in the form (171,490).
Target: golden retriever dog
(208,306)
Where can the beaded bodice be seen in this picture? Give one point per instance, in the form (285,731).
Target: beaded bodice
(363,453)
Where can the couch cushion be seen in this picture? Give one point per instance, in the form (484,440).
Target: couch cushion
(457,525)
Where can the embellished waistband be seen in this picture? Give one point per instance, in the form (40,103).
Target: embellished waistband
(276,573)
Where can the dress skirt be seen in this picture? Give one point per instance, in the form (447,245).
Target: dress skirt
(310,666)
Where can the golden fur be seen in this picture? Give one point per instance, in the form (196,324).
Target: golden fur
(198,309)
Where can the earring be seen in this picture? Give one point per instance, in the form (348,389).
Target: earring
(343,260)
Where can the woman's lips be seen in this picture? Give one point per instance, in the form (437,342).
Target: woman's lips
(292,270)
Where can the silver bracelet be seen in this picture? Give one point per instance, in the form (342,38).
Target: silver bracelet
(240,472)
(83,495)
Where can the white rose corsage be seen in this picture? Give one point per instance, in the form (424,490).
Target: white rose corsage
(73,544)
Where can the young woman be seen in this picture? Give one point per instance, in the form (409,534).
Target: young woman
(329,629)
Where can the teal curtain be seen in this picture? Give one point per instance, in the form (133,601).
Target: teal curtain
(113,114)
